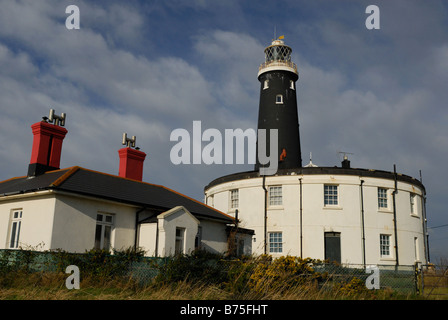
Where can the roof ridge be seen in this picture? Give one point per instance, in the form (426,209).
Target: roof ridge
(14,178)
(65,176)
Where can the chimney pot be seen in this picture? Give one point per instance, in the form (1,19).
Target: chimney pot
(47,147)
(131,163)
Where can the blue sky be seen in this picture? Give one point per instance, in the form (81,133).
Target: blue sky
(149,67)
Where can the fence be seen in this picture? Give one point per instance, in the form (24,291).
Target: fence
(433,281)
(429,281)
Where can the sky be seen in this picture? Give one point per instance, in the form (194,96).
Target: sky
(149,67)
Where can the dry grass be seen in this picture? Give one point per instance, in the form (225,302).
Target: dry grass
(46,286)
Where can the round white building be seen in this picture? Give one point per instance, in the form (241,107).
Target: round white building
(349,215)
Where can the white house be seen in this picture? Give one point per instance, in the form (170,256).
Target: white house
(77,209)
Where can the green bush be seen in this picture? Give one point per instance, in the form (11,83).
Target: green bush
(200,265)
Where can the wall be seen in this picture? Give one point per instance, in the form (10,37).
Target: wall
(317,218)
(177,217)
(214,236)
(37,220)
(60,221)
(75,222)
(147,238)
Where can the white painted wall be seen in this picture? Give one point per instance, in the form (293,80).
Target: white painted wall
(75,222)
(60,221)
(168,221)
(214,236)
(318,219)
(57,220)
(147,235)
(37,220)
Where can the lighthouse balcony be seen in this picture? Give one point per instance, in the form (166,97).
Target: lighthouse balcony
(277,65)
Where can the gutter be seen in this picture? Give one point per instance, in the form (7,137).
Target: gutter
(301,210)
(265,214)
(362,225)
(424,224)
(395,215)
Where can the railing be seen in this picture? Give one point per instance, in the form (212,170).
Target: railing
(281,63)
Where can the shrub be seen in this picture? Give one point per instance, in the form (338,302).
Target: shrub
(288,271)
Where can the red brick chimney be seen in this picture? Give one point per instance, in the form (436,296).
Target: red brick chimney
(47,145)
(131,160)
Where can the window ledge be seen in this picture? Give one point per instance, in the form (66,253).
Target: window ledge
(414,215)
(384,210)
(387,259)
(278,207)
(329,207)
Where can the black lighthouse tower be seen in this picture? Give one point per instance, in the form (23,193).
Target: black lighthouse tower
(278,104)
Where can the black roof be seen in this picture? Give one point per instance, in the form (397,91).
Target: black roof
(321,170)
(111,187)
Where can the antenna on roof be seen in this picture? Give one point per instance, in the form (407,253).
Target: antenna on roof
(345,162)
(345,154)
(58,120)
(129,142)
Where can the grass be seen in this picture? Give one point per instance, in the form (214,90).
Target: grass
(51,286)
(200,276)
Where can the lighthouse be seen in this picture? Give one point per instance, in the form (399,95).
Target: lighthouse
(338,213)
(278,103)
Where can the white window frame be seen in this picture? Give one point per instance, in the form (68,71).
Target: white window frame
(413,203)
(331,199)
(279,99)
(105,221)
(266,84)
(383,198)
(14,231)
(179,245)
(291,85)
(275,242)
(275,196)
(234,198)
(385,245)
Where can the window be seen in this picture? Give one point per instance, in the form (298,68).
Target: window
(330,195)
(384,245)
(16,223)
(179,245)
(275,196)
(104,224)
(266,84)
(210,201)
(413,199)
(275,242)
(382,198)
(291,85)
(234,199)
(279,99)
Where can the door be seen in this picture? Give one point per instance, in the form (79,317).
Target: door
(333,246)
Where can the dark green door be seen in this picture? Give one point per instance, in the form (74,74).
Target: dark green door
(333,246)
